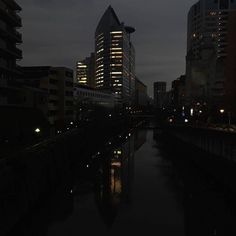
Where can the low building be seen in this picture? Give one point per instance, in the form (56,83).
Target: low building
(57,82)
(95,97)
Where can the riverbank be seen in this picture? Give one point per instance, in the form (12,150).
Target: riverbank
(29,175)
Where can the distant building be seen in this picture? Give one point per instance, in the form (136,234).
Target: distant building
(178,92)
(85,71)
(93,97)
(159,94)
(208,33)
(57,82)
(9,53)
(141,97)
(115,57)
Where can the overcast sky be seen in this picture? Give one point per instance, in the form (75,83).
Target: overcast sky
(60,32)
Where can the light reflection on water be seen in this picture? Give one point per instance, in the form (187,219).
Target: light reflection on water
(139,187)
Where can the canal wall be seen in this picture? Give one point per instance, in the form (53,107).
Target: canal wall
(29,175)
(215,142)
(213,150)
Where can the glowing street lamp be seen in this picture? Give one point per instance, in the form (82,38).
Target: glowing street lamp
(37,130)
(222,111)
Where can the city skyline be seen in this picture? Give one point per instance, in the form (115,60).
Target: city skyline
(160,47)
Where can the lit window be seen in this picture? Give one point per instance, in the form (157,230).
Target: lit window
(116,65)
(116,49)
(114,53)
(116,32)
(116,57)
(116,73)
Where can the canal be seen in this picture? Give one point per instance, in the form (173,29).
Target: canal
(141,186)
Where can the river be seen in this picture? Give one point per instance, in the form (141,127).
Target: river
(139,187)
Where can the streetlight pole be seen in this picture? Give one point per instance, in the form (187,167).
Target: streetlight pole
(229,117)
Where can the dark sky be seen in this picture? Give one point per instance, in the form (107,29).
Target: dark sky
(60,32)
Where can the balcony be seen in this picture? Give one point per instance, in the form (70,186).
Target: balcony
(17,52)
(11,17)
(11,52)
(12,4)
(12,35)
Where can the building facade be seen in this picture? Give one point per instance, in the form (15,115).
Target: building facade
(57,82)
(178,92)
(159,94)
(95,97)
(207,43)
(85,71)
(9,53)
(230,69)
(141,97)
(115,57)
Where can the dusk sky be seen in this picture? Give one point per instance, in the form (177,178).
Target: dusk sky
(60,32)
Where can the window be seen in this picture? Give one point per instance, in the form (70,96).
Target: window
(224,4)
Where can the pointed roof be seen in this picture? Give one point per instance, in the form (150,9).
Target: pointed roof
(108,19)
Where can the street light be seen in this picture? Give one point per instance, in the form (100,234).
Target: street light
(222,111)
(37,130)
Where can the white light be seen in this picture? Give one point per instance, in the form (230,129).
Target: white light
(222,111)
(71,191)
(191,112)
(171,120)
(186,120)
(129,134)
(37,130)
(87,166)
(71,122)
(109,115)
(99,153)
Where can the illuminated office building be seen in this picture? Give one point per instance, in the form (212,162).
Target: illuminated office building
(115,57)
(85,71)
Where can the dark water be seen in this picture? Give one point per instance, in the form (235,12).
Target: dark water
(141,187)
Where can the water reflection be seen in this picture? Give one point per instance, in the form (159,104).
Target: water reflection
(114,177)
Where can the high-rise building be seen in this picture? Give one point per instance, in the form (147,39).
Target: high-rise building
(159,94)
(115,57)
(208,25)
(85,71)
(9,53)
(230,70)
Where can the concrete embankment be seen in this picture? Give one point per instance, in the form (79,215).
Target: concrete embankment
(213,150)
